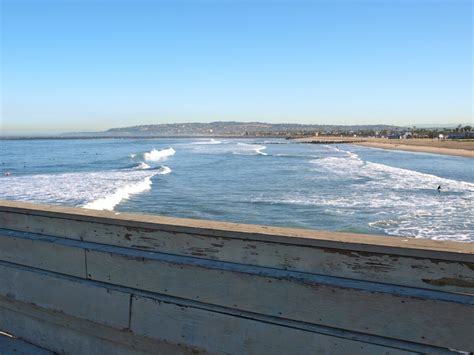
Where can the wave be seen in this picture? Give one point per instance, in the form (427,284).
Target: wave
(227,147)
(110,201)
(259,151)
(385,177)
(298,156)
(212,141)
(246,148)
(164,170)
(348,153)
(276,142)
(158,155)
(102,190)
(142,166)
(397,201)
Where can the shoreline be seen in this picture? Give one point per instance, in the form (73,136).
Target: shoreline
(419,148)
(460,148)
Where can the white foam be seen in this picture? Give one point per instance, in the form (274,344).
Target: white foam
(210,142)
(164,170)
(400,201)
(96,190)
(110,201)
(259,150)
(158,155)
(143,166)
(386,177)
(352,155)
(276,142)
(246,149)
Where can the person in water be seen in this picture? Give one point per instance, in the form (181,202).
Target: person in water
(439,188)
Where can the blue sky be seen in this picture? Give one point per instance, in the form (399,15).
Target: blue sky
(92,65)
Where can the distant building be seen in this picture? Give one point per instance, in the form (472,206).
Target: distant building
(393,136)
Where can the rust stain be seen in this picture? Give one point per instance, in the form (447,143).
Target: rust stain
(449,281)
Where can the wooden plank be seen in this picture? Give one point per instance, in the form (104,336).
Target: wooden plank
(64,334)
(347,241)
(12,345)
(455,276)
(424,272)
(222,333)
(42,253)
(415,315)
(75,297)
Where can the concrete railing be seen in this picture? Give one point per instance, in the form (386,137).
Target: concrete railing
(78,281)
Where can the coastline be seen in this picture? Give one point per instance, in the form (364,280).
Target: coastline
(461,148)
(419,148)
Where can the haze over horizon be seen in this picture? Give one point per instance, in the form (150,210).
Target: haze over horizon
(95,65)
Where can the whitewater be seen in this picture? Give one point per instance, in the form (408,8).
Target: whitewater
(268,181)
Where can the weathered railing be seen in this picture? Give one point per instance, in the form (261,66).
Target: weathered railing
(87,282)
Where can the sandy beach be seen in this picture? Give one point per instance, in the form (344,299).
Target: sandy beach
(463,148)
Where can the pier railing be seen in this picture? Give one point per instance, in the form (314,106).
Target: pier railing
(78,281)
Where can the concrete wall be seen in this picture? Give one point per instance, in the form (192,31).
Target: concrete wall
(86,282)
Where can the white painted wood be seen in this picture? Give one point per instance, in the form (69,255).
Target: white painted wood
(347,241)
(379,313)
(227,334)
(234,282)
(43,254)
(15,346)
(77,298)
(64,334)
(423,272)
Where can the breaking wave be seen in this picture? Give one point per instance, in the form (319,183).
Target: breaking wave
(398,201)
(101,190)
(248,149)
(142,166)
(158,155)
(113,199)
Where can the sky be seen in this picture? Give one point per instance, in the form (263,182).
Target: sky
(92,65)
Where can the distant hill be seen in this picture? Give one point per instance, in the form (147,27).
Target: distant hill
(237,129)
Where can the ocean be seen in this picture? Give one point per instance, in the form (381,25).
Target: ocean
(262,181)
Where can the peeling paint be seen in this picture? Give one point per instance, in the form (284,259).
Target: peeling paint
(448,281)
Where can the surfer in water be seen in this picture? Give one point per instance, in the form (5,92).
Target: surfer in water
(439,188)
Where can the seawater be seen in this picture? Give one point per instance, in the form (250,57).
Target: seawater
(263,181)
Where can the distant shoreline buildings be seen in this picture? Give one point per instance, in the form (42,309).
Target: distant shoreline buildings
(268,130)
